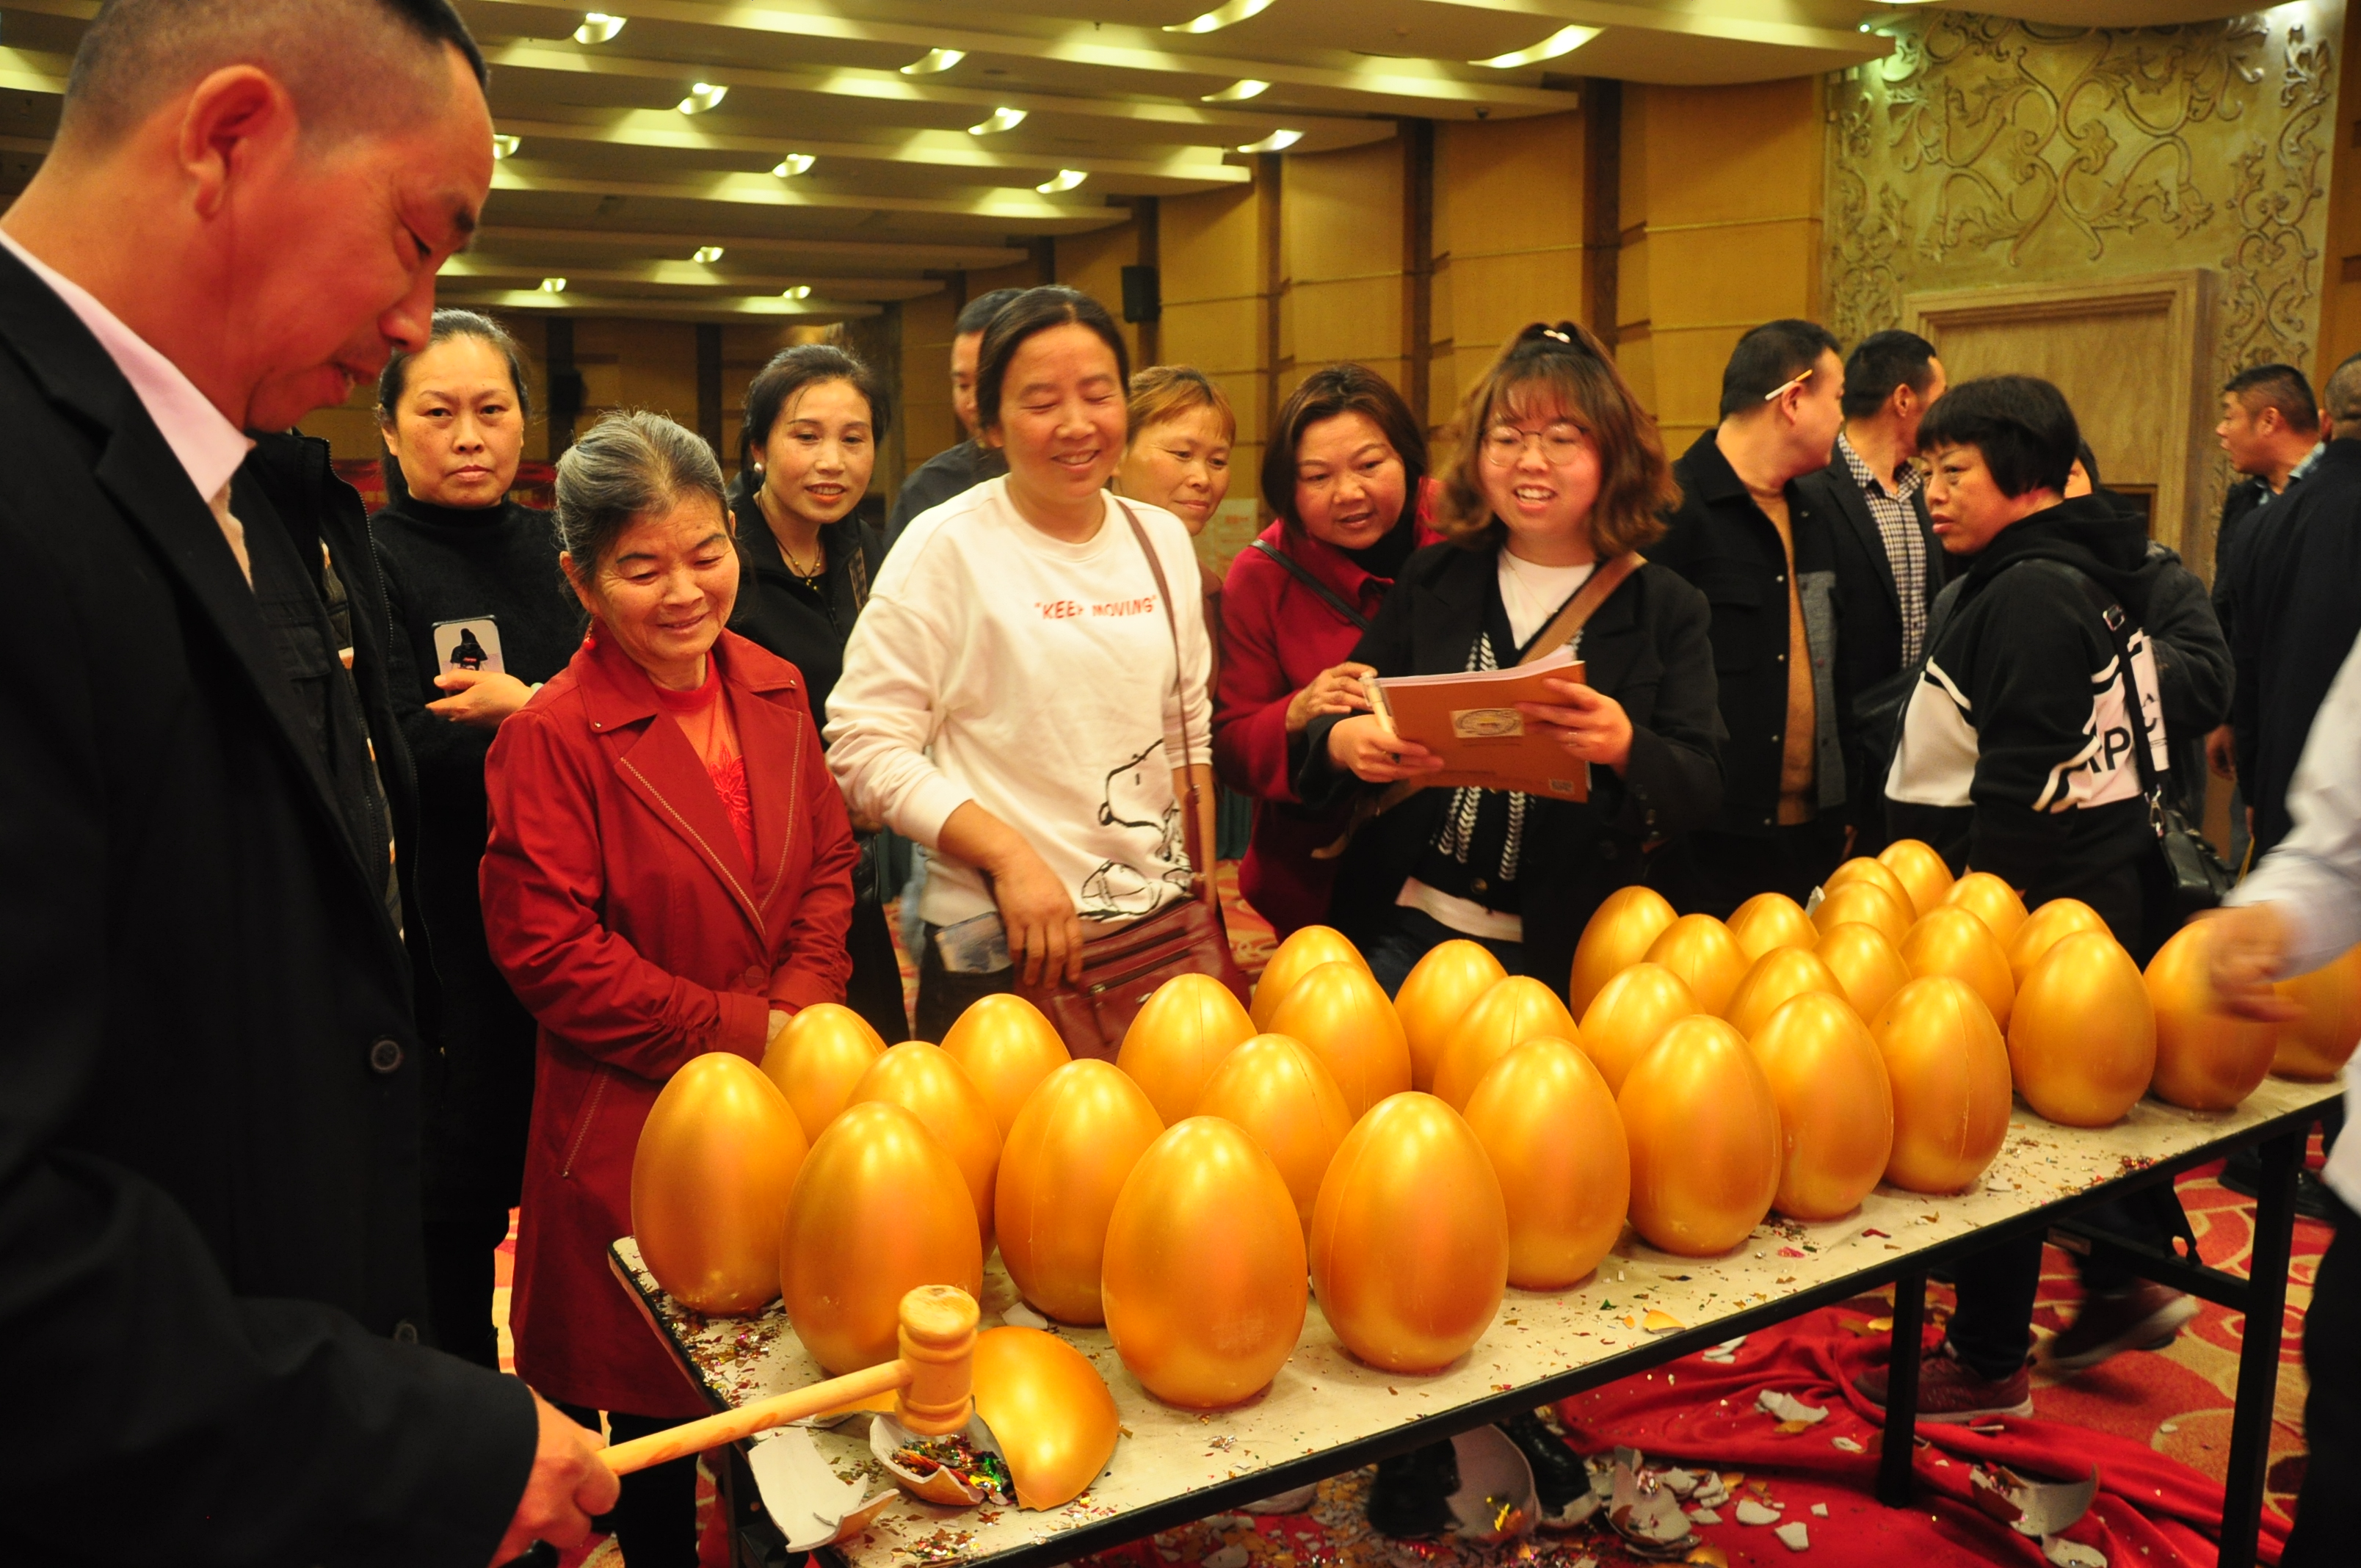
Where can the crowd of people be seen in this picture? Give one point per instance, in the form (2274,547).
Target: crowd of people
(367,877)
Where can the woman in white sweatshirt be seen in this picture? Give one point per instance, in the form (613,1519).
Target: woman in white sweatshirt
(1011,696)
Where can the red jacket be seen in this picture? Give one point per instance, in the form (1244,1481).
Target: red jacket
(621,908)
(1276,634)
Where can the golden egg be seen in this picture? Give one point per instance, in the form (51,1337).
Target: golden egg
(1179,1037)
(1628,1013)
(1867,868)
(1948,1069)
(1700,949)
(1836,1109)
(1548,1123)
(2315,1047)
(1513,1011)
(1342,1016)
(1049,1410)
(2081,1044)
(1279,1095)
(1868,969)
(1439,990)
(879,1209)
(1205,1275)
(1620,931)
(2043,928)
(2206,1060)
(1777,975)
(924,1082)
(1952,941)
(1302,953)
(1006,1047)
(1862,901)
(1410,1239)
(1771,920)
(1990,899)
(717,1158)
(1067,1158)
(1704,1134)
(1924,875)
(817,1059)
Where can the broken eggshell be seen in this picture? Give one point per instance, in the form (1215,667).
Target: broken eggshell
(810,1504)
(943,1487)
(1495,1501)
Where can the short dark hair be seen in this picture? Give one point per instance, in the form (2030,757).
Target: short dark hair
(977,313)
(393,381)
(336,58)
(1328,391)
(2280,387)
(1033,312)
(1769,358)
(789,372)
(2021,424)
(1881,362)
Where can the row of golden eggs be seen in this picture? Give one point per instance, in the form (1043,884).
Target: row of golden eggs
(1339,1013)
(1771,920)
(1700,949)
(1877,874)
(1867,968)
(1954,942)
(1990,899)
(2081,1043)
(1006,1049)
(2042,929)
(715,1163)
(1921,870)
(1073,1148)
(1509,1012)
(1547,1122)
(1836,1105)
(1277,1093)
(1620,931)
(1437,993)
(817,1059)
(1777,976)
(2315,1046)
(924,1081)
(1866,902)
(1304,951)
(1628,1014)
(1947,1068)
(1177,1038)
(2206,1060)
(1704,1133)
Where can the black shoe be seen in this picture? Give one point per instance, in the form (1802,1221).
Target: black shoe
(1559,1475)
(2242,1173)
(1411,1494)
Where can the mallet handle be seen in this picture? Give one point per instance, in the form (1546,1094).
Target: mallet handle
(729,1426)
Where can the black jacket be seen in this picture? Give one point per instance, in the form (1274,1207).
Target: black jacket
(209,1232)
(1646,647)
(2015,751)
(2193,669)
(951,472)
(2240,506)
(806,627)
(1721,542)
(2297,614)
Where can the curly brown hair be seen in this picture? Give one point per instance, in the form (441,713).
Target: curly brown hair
(1563,371)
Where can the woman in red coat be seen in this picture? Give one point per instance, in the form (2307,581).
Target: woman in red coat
(669,873)
(1345,471)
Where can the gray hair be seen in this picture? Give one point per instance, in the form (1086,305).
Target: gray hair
(2343,394)
(628,466)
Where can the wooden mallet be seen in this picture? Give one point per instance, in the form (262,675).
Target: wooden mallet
(933,1382)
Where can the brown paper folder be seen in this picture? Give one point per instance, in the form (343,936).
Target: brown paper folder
(1471,721)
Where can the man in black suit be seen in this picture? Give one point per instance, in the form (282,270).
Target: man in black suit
(1888,567)
(211,1281)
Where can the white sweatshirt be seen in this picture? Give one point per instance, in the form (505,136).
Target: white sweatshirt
(995,663)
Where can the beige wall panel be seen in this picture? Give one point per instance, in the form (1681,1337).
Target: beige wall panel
(2340,314)
(1341,214)
(1687,366)
(1094,262)
(927,423)
(1513,184)
(1632,195)
(1016,275)
(1500,295)
(1746,273)
(351,431)
(1632,283)
(1635,355)
(1218,335)
(1208,247)
(1357,318)
(1715,154)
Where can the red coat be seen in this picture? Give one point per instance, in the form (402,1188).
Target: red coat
(621,910)
(1276,634)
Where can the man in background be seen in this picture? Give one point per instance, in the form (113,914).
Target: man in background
(956,469)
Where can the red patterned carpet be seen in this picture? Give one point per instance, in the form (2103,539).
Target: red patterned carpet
(2173,1405)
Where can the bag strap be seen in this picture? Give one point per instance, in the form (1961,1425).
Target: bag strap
(1302,573)
(2118,623)
(1197,865)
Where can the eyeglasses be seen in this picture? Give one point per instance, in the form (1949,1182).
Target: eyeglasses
(1560,443)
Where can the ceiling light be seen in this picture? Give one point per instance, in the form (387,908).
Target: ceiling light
(1000,120)
(1220,17)
(598,27)
(1277,141)
(505,146)
(1065,180)
(1237,92)
(707,254)
(1566,40)
(933,60)
(800,291)
(704,95)
(794,163)
(553,285)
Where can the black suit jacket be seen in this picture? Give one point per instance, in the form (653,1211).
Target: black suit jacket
(209,1239)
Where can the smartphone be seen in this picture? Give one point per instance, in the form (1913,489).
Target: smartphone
(978,944)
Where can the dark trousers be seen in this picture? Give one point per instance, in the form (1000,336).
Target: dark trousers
(1406,935)
(654,1520)
(942,995)
(459,1275)
(2328,1509)
(1991,1324)
(875,989)
(1713,873)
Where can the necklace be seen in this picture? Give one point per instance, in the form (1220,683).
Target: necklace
(766,502)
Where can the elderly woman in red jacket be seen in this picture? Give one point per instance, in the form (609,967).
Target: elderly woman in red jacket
(1344,472)
(669,873)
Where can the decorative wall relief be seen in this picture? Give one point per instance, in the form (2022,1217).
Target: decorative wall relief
(1986,150)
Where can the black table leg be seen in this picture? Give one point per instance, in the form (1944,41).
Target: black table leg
(1896,1470)
(2258,1356)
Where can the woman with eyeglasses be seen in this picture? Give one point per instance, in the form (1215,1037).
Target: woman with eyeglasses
(1560,477)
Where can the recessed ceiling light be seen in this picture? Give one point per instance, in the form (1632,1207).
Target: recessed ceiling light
(800,291)
(1064,179)
(1237,92)
(794,163)
(704,95)
(598,27)
(1001,119)
(707,253)
(553,285)
(1220,17)
(1566,40)
(1277,141)
(505,146)
(933,60)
